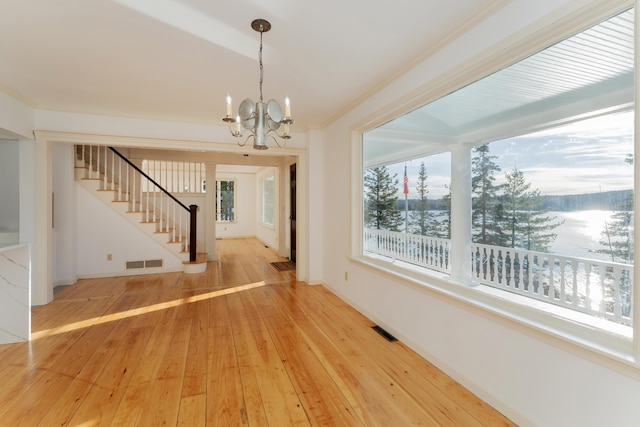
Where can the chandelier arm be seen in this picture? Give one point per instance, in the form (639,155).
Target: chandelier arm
(276,141)
(245,141)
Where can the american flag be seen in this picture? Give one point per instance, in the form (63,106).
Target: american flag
(406,181)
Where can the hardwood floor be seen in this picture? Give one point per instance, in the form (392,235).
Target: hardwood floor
(241,344)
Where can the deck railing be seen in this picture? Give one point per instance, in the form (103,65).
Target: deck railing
(598,288)
(424,251)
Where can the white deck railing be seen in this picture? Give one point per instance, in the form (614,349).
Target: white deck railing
(598,288)
(425,251)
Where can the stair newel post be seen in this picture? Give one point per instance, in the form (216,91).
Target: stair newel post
(193,209)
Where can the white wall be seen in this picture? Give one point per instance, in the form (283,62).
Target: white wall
(531,380)
(101,231)
(245,224)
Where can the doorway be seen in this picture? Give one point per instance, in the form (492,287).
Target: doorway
(292,217)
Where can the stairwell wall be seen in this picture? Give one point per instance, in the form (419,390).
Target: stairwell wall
(102,231)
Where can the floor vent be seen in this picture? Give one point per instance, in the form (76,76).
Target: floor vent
(149,263)
(384,333)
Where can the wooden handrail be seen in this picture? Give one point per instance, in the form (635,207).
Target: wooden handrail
(192,209)
(149,178)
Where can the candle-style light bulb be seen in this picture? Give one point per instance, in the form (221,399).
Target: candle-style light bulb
(229,107)
(238,125)
(287,107)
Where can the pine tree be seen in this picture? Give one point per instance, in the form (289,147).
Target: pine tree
(484,192)
(421,220)
(380,211)
(618,234)
(527,223)
(618,243)
(444,225)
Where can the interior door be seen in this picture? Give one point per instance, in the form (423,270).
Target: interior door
(292,183)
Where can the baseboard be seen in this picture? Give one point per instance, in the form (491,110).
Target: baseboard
(130,273)
(66,282)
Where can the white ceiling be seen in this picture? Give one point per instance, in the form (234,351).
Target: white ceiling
(178,59)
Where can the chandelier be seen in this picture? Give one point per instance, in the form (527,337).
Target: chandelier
(260,119)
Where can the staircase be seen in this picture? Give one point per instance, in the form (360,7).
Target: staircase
(126,189)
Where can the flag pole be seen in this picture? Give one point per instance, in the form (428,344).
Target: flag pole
(406,200)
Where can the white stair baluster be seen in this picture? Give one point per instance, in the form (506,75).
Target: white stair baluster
(90,162)
(105,184)
(146,218)
(113,171)
(161,210)
(119,178)
(173,220)
(135,191)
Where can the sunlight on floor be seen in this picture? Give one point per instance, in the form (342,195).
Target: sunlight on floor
(141,310)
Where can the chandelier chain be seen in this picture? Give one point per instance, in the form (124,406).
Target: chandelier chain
(261,68)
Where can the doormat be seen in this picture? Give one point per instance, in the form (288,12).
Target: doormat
(284,266)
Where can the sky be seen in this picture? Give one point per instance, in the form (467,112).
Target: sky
(585,157)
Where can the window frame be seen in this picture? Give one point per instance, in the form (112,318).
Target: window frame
(598,346)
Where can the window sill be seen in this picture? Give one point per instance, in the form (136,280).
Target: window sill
(595,339)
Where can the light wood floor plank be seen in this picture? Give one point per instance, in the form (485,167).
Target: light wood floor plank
(241,344)
(225,400)
(324,402)
(281,403)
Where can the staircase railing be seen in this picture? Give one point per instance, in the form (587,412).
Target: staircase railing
(118,174)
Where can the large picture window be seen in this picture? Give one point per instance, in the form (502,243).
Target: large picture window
(536,201)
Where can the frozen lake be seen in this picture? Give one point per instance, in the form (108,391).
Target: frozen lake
(581,233)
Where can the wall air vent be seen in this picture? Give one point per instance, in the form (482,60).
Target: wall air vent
(130,265)
(149,263)
(153,263)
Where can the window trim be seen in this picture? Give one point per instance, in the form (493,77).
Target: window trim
(600,347)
